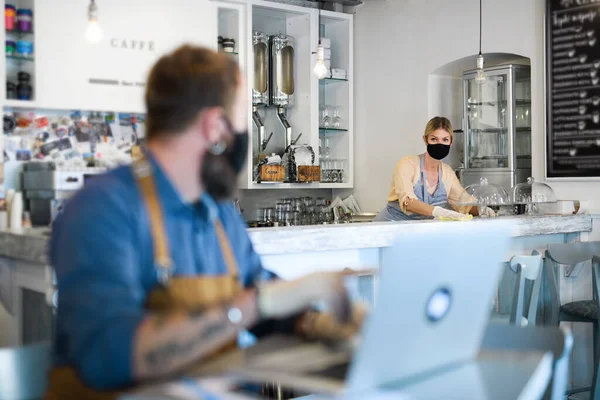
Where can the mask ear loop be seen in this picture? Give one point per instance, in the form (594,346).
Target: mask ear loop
(219,148)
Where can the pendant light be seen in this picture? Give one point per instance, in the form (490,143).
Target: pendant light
(480,79)
(320,68)
(93,32)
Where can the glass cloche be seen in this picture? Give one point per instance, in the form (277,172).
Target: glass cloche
(484,194)
(532,192)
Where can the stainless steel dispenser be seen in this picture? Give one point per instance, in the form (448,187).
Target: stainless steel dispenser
(282,79)
(260,86)
(282,70)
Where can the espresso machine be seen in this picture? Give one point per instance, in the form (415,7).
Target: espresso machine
(260,86)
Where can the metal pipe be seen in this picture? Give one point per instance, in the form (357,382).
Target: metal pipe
(260,126)
(286,126)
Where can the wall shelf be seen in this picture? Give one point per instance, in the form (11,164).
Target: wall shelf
(20,104)
(19,58)
(332,130)
(19,34)
(311,185)
(329,81)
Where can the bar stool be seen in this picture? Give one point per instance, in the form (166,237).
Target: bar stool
(571,254)
(23,371)
(527,269)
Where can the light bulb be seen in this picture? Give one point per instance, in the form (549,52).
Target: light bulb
(480,78)
(320,68)
(93,32)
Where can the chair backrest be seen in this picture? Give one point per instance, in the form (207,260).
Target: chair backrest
(24,371)
(572,253)
(557,340)
(527,268)
(565,254)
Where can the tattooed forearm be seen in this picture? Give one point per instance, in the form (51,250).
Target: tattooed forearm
(180,339)
(179,347)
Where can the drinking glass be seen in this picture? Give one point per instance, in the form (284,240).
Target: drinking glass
(326,149)
(269,215)
(335,176)
(325,120)
(337,121)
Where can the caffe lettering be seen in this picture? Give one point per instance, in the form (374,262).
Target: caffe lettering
(132,44)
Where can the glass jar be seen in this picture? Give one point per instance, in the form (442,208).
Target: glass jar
(269,214)
(10,47)
(25,48)
(9,17)
(24,89)
(260,214)
(24,20)
(11,91)
(228,45)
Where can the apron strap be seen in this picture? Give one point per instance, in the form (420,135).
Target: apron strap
(162,254)
(160,242)
(226,249)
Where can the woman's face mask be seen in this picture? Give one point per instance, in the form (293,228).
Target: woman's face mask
(438,144)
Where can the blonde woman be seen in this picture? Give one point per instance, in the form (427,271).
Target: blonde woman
(423,187)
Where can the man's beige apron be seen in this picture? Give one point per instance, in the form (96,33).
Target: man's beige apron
(191,294)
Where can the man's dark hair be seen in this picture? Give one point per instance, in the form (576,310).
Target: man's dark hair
(184,83)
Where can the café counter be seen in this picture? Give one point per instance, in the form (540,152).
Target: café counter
(26,279)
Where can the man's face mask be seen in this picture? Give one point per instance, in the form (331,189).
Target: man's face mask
(223,163)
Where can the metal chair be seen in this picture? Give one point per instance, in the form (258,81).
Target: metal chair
(23,371)
(570,255)
(526,268)
(557,340)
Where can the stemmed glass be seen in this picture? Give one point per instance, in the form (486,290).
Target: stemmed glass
(337,120)
(325,120)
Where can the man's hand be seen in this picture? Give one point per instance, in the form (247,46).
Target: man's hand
(282,299)
(324,326)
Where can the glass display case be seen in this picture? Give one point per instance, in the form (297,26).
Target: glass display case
(497,126)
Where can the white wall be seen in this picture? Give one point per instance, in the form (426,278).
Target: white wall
(399,43)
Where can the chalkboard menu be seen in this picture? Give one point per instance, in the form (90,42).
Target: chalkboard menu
(573,88)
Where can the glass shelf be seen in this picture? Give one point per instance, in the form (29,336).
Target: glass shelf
(494,103)
(19,58)
(329,81)
(333,130)
(488,130)
(18,33)
(234,53)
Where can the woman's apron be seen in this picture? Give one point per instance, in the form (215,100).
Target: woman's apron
(186,293)
(392,212)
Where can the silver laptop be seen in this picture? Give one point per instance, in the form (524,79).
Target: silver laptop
(432,307)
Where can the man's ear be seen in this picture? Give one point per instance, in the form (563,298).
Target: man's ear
(210,125)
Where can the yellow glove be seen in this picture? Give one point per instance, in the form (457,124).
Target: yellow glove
(449,215)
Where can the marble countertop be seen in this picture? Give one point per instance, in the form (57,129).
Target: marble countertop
(31,244)
(382,234)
